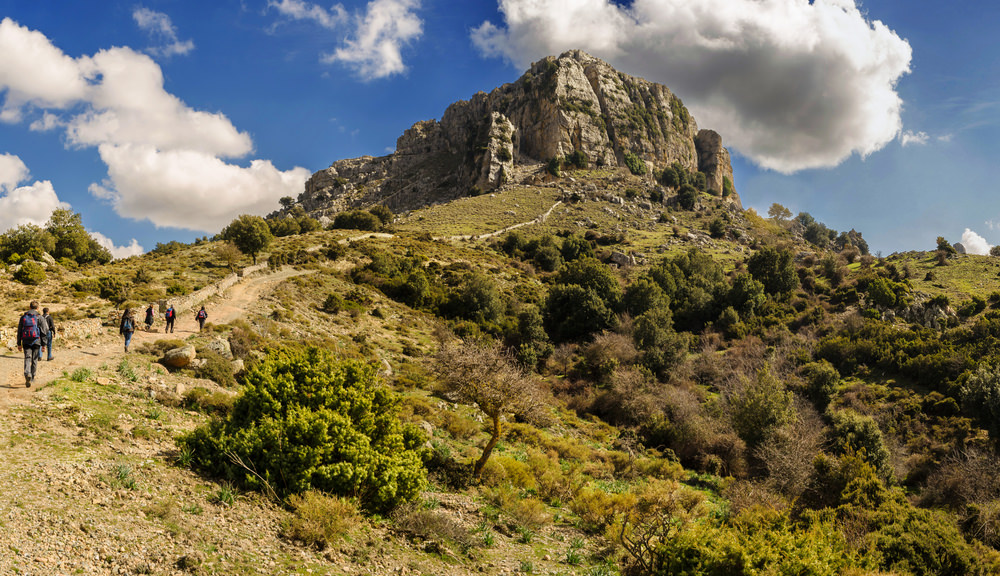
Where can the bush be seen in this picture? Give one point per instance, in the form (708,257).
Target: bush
(216,368)
(306,421)
(634,164)
(30,273)
(319,520)
(357,220)
(859,434)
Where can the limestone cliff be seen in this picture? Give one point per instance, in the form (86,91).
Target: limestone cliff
(560,106)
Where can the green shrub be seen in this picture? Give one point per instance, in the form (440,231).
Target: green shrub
(307,421)
(554,167)
(216,368)
(357,220)
(859,434)
(634,164)
(30,273)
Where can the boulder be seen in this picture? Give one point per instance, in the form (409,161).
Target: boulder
(221,345)
(178,357)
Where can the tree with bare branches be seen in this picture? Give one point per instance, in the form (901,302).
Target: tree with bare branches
(487,375)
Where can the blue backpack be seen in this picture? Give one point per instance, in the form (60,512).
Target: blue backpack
(29,329)
(127,325)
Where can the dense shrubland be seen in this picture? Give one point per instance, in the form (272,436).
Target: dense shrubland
(705,416)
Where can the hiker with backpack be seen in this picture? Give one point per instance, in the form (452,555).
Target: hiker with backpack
(50,323)
(200,317)
(149,317)
(127,327)
(169,315)
(32,333)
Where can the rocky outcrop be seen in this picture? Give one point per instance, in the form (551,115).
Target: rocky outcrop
(714,161)
(562,106)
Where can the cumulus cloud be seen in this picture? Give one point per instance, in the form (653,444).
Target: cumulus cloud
(790,84)
(375,49)
(299,10)
(115,100)
(29,204)
(907,138)
(159,26)
(975,244)
(375,38)
(146,181)
(118,252)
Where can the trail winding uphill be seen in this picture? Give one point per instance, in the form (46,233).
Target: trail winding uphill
(108,347)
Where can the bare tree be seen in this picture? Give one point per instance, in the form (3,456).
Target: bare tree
(487,375)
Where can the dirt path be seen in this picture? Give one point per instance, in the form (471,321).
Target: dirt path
(108,347)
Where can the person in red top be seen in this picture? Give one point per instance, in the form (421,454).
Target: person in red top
(170,315)
(200,317)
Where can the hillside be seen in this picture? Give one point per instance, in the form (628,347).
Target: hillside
(589,369)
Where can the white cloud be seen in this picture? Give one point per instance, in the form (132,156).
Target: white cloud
(115,100)
(190,189)
(12,172)
(31,204)
(117,252)
(374,51)
(299,10)
(159,26)
(790,84)
(974,243)
(128,105)
(46,123)
(33,70)
(907,138)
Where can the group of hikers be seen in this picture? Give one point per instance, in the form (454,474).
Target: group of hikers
(35,332)
(128,323)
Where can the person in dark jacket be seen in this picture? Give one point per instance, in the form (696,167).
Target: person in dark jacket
(149,317)
(32,333)
(200,317)
(52,331)
(127,327)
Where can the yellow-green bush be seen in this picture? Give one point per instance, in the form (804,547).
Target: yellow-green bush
(319,520)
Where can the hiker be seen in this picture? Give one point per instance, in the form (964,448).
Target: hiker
(149,317)
(51,324)
(127,327)
(32,333)
(169,315)
(200,317)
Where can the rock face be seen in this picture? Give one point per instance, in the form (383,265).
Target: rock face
(571,104)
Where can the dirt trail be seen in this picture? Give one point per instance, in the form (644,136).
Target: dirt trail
(108,347)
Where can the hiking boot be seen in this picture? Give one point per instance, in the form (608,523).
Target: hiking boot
(28,382)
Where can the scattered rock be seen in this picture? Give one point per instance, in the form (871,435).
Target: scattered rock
(178,357)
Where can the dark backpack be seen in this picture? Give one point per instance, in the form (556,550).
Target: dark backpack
(127,325)
(29,329)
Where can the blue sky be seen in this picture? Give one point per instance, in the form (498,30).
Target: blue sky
(163,119)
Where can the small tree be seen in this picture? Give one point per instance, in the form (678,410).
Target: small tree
(250,234)
(491,378)
(775,269)
(229,254)
(779,213)
(758,407)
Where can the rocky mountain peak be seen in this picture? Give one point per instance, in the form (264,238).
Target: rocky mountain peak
(562,105)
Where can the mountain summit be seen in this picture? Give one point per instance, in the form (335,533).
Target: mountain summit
(563,106)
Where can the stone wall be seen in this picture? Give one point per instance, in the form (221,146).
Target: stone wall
(73,330)
(182,303)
